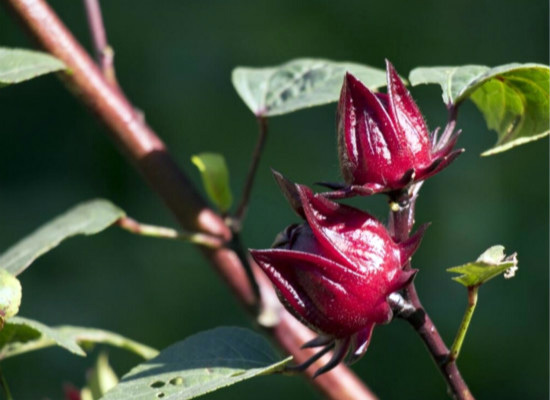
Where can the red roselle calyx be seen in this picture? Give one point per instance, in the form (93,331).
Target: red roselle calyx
(335,272)
(383,142)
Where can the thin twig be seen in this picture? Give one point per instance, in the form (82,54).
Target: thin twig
(236,221)
(461,334)
(401,222)
(133,226)
(149,155)
(5,387)
(256,156)
(427,331)
(104,52)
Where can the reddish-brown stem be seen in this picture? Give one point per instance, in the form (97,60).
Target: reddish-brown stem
(340,383)
(104,52)
(452,110)
(401,222)
(239,249)
(256,155)
(149,155)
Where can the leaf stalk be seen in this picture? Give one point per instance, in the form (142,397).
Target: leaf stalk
(464,325)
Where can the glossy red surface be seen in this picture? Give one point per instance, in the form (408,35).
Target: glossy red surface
(335,271)
(383,141)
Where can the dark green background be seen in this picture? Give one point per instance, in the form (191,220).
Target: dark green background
(174,59)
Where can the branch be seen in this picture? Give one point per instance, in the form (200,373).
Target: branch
(427,331)
(149,155)
(401,221)
(104,52)
(256,155)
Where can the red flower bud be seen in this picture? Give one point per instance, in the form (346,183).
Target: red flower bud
(383,141)
(335,272)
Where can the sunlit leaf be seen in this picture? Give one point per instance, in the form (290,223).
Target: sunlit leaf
(17,65)
(490,264)
(200,364)
(84,219)
(513,98)
(215,178)
(454,81)
(298,84)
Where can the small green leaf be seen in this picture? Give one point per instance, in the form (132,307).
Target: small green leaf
(215,178)
(23,340)
(513,98)
(200,364)
(491,263)
(102,377)
(17,65)
(84,219)
(10,295)
(298,84)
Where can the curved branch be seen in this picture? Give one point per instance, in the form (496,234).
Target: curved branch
(149,155)
(401,222)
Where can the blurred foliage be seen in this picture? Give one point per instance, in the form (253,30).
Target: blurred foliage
(174,59)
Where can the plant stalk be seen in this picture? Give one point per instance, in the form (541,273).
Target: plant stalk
(461,334)
(133,226)
(5,387)
(238,218)
(104,52)
(452,114)
(401,222)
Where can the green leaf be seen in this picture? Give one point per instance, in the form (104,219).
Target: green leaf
(455,81)
(513,98)
(84,219)
(86,337)
(215,178)
(21,339)
(200,364)
(19,331)
(491,263)
(10,295)
(298,84)
(17,65)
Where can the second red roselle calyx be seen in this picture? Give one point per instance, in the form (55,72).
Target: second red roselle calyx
(383,141)
(335,271)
